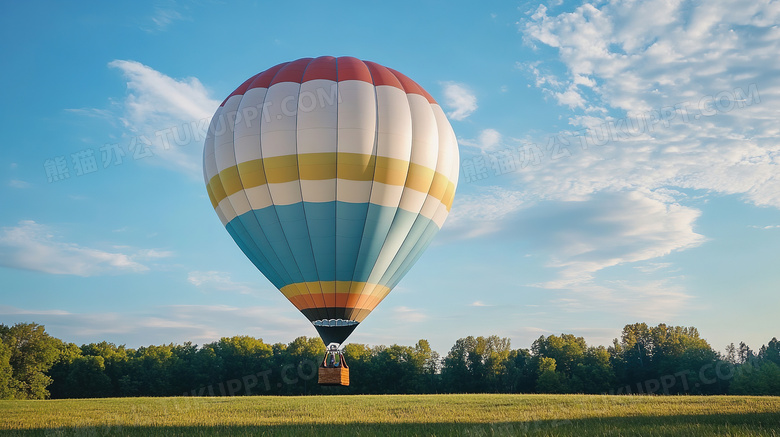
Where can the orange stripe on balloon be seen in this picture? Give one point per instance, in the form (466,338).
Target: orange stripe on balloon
(318,301)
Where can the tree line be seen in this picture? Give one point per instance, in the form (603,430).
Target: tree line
(644,360)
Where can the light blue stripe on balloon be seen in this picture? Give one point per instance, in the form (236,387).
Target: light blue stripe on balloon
(397,235)
(356,243)
(378,222)
(272,229)
(321,220)
(417,230)
(420,244)
(250,249)
(350,221)
(293,220)
(261,243)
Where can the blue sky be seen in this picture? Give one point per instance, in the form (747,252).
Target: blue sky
(619,163)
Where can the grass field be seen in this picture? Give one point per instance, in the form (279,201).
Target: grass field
(440,415)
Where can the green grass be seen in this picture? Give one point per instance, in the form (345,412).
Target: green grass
(440,415)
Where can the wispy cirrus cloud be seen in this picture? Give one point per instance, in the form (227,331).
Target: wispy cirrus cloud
(487,140)
(765,227)
(408,315)
(165,324)
(623,60)
(93,113)
(580,238)
(34,246)
(168,115)
(18,183)
(459,99)
(163,16)
(220,281)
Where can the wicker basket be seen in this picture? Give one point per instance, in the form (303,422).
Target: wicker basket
(334,376)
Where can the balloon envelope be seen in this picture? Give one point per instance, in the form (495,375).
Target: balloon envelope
(332,175)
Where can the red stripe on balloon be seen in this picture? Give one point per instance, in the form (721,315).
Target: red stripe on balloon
(324,67)
(335,69)
(292,72)
(382,75)
(241,89)
(411,87)
(353,69)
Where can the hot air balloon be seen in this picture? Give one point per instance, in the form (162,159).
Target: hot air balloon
(332,175)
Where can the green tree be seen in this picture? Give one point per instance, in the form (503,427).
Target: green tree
(297,364)
(427,364)
(6,372)
(456,374)
(394,370)
(578,368)
(549,380)
(646,354)
(744,353)
(61,368)
(243,355)
(731,354)
(630,357)
(87,378)
(567,350)
(359,358)
(184,372)
(757,378)
(476,364)
(519,376)
(594,373)
(771,351)
(151,370)
(491,356)
(33,352)
(208,369)
(306,348)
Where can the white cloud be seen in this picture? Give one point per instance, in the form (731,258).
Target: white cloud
(489,138)
(582,237)
(765,227)
(615,195)
(170,115)
(571,98)
(481,214)
(220,281)
(6,310)
(16,183)
(407,315)
(459,99)
(479,303)
(163,17)
(153,253)
(33,246)
(594,336)
(640,60)
(611,229)
(648,300)
(93,112)
(651,267)
(166,324)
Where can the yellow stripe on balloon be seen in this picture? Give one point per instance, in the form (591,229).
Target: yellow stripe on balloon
(337,287)
(355,166)
(320,166)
